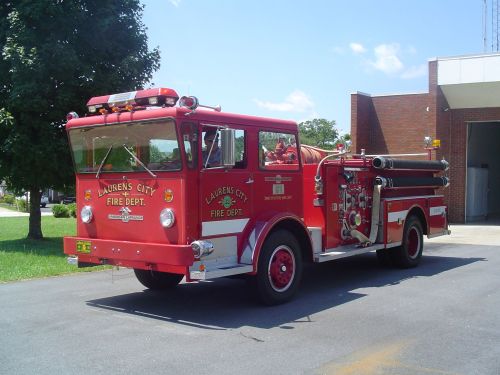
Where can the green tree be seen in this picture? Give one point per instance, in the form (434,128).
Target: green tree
(55,56)
(318,132)
(343,139)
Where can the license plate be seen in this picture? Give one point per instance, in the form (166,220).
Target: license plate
(83,247)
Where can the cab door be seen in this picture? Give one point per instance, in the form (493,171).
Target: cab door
(226,193)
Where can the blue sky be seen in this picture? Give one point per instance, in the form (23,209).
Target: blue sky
(302,59)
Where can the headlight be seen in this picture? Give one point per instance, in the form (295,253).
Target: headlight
(167,218)
(86,214)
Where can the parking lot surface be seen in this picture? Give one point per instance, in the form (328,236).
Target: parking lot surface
(351,316)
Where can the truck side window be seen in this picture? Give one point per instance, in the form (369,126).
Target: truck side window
(278,151)
(212,152)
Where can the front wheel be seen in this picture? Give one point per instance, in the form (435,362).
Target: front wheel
(155,280)
(409,253)
(279,268)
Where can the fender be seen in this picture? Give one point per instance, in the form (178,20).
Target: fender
(417,208)
(422,213)
(259,234)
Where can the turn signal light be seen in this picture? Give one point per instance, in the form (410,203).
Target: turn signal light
(168,196)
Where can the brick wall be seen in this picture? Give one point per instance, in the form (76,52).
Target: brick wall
(361,110)
(391,124)
(399,124)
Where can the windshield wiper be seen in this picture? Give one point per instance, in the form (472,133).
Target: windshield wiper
(103,161)
(139,161)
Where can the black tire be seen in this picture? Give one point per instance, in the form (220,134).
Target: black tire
(279,268)
(409,253)
(155,280)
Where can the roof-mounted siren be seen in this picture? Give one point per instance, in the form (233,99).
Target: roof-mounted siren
(133,100)
(192,103)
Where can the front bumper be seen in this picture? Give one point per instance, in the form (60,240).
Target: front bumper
(160,257)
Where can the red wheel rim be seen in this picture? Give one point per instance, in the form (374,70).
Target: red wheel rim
(281,270)
(413,243)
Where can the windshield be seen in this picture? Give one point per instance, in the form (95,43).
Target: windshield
(132,147)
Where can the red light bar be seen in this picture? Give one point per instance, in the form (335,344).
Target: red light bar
(142,98)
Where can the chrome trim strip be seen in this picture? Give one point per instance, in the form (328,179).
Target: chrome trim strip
(213,228)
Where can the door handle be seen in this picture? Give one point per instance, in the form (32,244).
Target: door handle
(249,181)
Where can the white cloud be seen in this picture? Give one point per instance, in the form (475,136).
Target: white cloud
(357,48)
(175,3)
(296,101)
(415,72)
(387,59)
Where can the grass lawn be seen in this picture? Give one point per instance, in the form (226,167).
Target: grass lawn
(25,259)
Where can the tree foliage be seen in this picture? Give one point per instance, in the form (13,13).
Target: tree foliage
(318,132)
(343,139)
(56,54)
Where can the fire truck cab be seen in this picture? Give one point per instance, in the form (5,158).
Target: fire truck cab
(187,191)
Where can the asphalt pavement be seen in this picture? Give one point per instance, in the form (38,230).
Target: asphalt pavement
(350,316)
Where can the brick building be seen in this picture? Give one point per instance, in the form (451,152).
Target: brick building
(462,109)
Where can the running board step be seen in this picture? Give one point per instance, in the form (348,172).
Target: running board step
(221,271)
(344,252)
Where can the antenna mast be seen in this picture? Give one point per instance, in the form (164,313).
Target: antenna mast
(485,28)
(494,25)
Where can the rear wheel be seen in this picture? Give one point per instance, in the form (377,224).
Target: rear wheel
(155,280)
(409,253)
(279,268)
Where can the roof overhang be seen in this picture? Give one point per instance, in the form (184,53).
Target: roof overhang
(470,81)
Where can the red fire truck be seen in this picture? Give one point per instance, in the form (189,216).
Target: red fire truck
(174,189)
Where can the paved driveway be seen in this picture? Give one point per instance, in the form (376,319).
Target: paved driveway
(4,212)
(350,317)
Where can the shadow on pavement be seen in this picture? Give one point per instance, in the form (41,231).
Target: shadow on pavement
(228,303)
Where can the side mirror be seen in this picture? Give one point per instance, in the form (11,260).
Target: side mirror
(227,139)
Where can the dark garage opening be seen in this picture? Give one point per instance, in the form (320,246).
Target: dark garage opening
(483,172)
